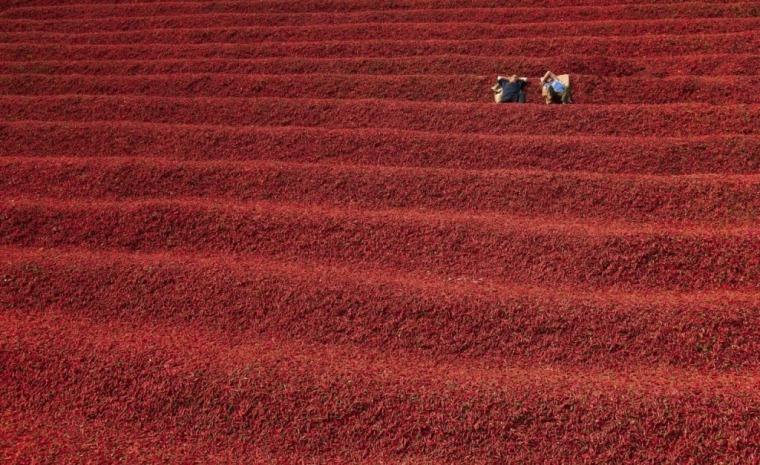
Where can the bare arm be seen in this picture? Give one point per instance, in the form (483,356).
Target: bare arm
(548,75)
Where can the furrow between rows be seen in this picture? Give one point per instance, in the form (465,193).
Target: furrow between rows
(700,65)
(384,147)
(680,120)
(498,14)
(388,31)
(434,88)
(500,247)
(293,397)
(347,5)
(490,16)
(55,433)
(707,200)
(618,46)
(390,311)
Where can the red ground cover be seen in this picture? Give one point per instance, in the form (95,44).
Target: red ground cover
(593,65)
(392,31)
(716,154)
(452,88)
(320,12)
(704,199)
(281,232)
(616,46)
(508,324)
(680,120)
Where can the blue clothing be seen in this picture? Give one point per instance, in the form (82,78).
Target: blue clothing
(510,91)
(556,85)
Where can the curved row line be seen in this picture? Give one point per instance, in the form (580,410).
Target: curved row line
(197,383)
(729,154)
(333,5)
(394,31)
(306,301)
(619,46)
(74,432)
(437,88)
(480,17)
(190,23)
(679,120)
(491,247)
(695,65)
(23,164)
(495,15)
(716,199)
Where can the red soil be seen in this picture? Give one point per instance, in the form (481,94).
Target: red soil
(300,232)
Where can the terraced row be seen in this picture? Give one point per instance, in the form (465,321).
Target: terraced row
(707,200)
(457,11)
(451,88)
(323,400)
(481,246)
(347,5)
(703,65)
(56,433)
(393,31)
(678,120)
(719,154)
(388,310)
(618,46)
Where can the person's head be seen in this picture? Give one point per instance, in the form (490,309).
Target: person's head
(513,78)
(549,79)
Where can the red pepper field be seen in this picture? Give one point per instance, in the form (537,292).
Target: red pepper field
(301,232)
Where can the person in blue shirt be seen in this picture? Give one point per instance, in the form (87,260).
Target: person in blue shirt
(510,90)
(556,92)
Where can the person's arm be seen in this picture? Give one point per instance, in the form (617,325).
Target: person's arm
(548,75)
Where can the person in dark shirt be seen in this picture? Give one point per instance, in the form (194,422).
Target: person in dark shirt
(511,89)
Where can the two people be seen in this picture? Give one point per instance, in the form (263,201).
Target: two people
(512,89)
